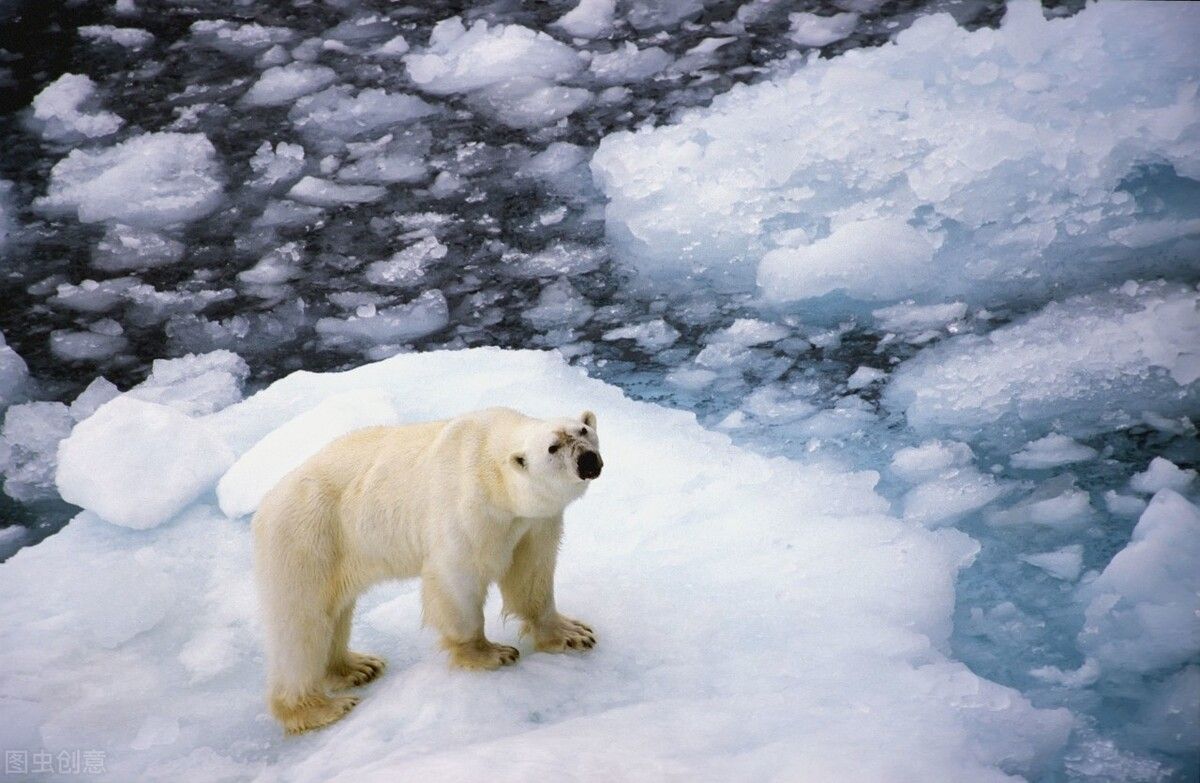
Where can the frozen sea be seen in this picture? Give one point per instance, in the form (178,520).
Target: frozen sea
(889,312)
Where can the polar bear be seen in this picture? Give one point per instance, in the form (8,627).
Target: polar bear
(461,503)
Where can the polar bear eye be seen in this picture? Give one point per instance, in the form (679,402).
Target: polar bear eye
(554,448)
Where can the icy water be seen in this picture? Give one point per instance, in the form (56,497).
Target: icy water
(468,216)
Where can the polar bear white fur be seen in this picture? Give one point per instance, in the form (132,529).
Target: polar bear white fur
(461,503)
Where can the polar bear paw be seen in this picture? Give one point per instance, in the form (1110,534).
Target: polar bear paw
(562,634)
(313,712)
(482,654)
(357,669)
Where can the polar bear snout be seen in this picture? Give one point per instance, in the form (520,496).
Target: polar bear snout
(588,465)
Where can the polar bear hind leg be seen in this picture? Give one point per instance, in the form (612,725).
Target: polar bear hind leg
(294,547)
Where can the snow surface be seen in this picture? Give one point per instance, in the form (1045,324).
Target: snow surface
(947,164)
(839,670)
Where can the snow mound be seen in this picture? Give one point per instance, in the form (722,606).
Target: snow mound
(60,111)
(242,488)
(1141,612)
(148,181)
(138,464)
(1086,365)
(697,562)
(947,164)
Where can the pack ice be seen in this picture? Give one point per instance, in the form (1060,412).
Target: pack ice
(982,164)
(1086,365)
(757,616)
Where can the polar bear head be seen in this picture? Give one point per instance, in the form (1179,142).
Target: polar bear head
(556,461)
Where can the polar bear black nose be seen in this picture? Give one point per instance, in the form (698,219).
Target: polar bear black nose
(589,465)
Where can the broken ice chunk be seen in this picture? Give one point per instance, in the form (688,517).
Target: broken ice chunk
(137,464)
(1162,474)
(327,193)
(150,181)
(1051,452)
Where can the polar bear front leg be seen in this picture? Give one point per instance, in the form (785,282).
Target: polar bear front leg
(528,590)
(453,604)
(346,668)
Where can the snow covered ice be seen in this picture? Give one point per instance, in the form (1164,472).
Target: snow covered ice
(782,685)
(889,312)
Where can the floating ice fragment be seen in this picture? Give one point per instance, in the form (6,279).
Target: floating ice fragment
(30,437)
(425,315)
(1123,505)
(1140,613)
(126,248)
(85,346)
(319,192)
(148,181)
(915,464)
(559,304)
(509,71)
(629,64)
(650,336)
(813,30)
(864,376)
(59,113)
(14,374)
(195,384)
(130,37)
(408,266)
(1162,474)
(1051,451)
(1088,364)
(285,83)
(908,318)
(1065,563)
(588,19)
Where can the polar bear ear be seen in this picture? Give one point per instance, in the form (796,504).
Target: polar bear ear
(518,460)
(588,418)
